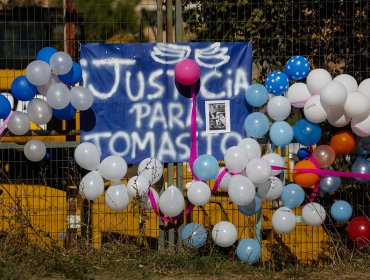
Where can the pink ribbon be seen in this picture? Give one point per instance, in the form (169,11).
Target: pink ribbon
(326,172)
(303,100)
(193,149)
(190,206)
(315,190)
(5,123)
(362,131)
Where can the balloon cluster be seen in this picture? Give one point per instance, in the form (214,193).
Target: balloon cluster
(248,176)
(54,76)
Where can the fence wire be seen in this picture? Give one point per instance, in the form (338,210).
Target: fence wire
(42,199)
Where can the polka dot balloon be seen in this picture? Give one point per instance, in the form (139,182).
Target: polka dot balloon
(297,67)
(277,83)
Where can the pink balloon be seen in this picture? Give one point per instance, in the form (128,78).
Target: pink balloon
(325,155)
(187,72)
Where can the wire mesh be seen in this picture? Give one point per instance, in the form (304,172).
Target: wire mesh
(333,34)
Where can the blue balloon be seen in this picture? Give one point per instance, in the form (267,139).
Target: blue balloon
(194,235)
(306,132)
(297,67)
(277,83)
(363,145)
(361,165)
(330,183)
(73,76)
(256,125)
(256,95)
(5,107)
(22,89)
(206,167)
(292,195)
(46,53)
(251,208)
(303,153)
(281,133)
(66,113)
(341,211)
(249,250)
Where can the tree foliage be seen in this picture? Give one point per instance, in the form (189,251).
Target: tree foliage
(333,34)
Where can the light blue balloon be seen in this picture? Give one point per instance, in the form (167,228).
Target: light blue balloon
(248,250)
(341,211)
(281,133)
(256,125)
(292,195)
(256,95)
(330,183)
(251,208)
(194,235)
(361,165)
(206,167)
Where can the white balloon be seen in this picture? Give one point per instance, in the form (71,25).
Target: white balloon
(34,150)
(38,72)
(348,81)
(58,96)
(317,79)
(81,98)
(116,197)
(39,111)
(337,117)
(199,193)
(224,184)
(313,214)
(361,128)
(333,95)
(19,123)
(283,220)
(241,190)
(138,186)
(274,160)
(171,202)
(61,63)
(113,168)
(147,203)
(224,234)
(258,170)
(152,169)
(298,94)
(357,105)
(91,186)
(236,159)
(364,87)
(314,111)
(87,156)
(271,189)
(278,108)
(252,147)
(43,89)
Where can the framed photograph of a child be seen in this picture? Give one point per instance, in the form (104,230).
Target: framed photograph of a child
(217,116)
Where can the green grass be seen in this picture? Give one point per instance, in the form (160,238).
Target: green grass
(21,260)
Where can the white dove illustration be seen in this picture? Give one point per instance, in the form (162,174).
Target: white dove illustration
(212,56)
(170,53)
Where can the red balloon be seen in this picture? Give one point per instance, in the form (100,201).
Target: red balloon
(359,230)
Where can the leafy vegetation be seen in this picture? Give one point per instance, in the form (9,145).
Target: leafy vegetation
(333,34)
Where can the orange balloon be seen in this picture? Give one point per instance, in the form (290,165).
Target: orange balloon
(305,180)
(343,142)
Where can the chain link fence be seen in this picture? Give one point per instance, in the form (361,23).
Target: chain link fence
(42,200)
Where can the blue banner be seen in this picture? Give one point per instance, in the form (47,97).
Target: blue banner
(139,111)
